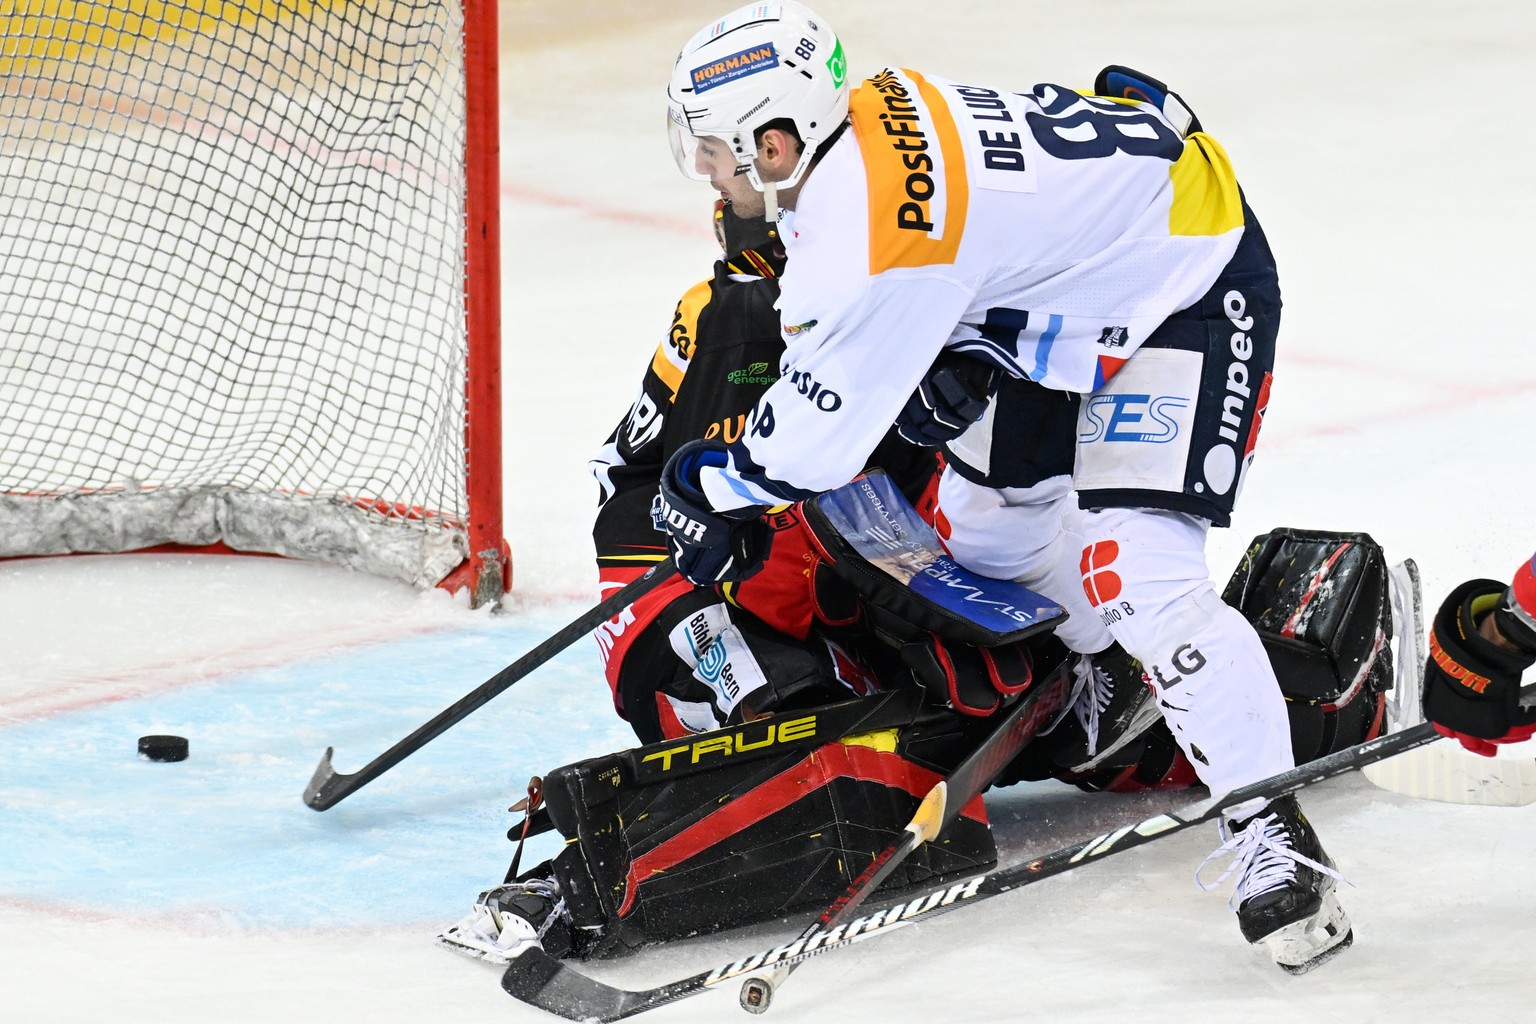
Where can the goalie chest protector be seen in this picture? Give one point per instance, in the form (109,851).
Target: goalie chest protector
(755,822)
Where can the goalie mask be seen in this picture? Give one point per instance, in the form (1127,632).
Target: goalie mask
(759,64)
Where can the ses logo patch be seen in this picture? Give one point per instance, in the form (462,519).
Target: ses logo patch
(737,65)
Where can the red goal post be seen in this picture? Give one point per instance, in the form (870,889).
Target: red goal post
(250,282)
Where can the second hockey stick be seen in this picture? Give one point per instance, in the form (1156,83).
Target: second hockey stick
(1038,708)
(538,979)
(329,787)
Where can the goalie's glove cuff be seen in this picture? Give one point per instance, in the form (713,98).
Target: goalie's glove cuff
(1471,684)
(972,680)
(708,546)
(1515,614)
(951,396)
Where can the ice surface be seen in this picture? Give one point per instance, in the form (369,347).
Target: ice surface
(1382,145)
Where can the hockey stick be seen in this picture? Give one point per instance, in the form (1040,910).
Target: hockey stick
(536,978)
(329,787)
(1038,708)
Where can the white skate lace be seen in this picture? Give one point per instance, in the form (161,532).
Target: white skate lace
(1263,853)
(1094,692)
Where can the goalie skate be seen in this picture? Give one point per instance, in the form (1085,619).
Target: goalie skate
(509,919)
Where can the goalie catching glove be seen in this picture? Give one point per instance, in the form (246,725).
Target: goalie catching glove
(970,677)
(708,546)
(1472,683)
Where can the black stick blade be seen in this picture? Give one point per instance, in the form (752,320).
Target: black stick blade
(326,786)
(538,979)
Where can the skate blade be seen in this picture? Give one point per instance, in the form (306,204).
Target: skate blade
(1307,945)
(1321,958)
(470,943)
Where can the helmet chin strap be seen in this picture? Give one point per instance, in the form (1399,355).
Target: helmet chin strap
(771,202)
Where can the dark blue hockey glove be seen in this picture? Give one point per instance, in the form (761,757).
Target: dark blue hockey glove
(951,396)
(708,546)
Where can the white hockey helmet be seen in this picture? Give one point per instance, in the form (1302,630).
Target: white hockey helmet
(760,63)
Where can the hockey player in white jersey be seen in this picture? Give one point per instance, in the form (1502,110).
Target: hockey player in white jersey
(1098,250)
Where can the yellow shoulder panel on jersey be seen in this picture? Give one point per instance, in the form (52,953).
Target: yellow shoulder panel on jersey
(1206,200)
(672,355)
(918,189)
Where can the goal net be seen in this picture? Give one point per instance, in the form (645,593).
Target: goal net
(249,282)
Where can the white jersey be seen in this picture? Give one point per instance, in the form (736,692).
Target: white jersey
(1048,231)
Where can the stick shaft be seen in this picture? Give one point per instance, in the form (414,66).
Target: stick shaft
(329,787)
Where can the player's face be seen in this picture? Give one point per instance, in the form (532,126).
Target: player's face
(714,160)
(745,199)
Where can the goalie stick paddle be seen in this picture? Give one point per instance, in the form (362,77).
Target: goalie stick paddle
(1037,709)
(329,787)
(540,980)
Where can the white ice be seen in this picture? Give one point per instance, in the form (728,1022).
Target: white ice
(1386,147)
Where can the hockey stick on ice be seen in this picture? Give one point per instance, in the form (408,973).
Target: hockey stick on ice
(328,787)
(540,980)
(1037,709)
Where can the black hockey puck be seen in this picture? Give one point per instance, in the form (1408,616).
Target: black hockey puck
(163,748)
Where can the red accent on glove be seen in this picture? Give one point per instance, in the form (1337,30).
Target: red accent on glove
(1488,748)
(1524,586)
(973,680)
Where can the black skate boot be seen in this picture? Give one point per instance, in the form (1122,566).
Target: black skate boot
(1113,709)
(511,918)
(1285,897)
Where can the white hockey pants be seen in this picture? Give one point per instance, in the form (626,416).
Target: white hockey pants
(1137,576)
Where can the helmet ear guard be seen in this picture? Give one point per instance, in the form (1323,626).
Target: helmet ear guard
(759,64)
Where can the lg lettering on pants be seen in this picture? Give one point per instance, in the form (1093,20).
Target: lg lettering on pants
(1186,659)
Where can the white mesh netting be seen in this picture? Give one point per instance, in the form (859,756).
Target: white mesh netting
(231,279)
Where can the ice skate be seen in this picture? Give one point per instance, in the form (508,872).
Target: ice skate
(1114,707)
(509,919)
(1284,898)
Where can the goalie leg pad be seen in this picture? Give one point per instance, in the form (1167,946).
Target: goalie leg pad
(1321,604)
(747,824)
